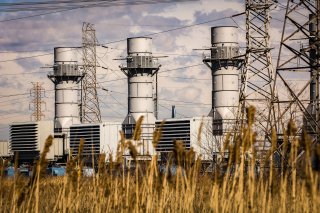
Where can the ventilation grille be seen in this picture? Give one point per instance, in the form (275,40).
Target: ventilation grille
(91,135)
(66,70)
(24,141)
(171,131)
(224,52)
(24,137)
(141,62)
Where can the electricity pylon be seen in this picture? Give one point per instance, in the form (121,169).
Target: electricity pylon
(90,103)
(37,93)
(257,77)
(299,58)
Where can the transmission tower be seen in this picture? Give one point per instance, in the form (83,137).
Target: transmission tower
(299,58)
(258,75)
(90,103)
(37,93)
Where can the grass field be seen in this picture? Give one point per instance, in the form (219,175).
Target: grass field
(292,188)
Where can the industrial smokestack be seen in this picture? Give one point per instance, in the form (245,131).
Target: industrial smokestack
(224,64)
(141,69)
(66,76)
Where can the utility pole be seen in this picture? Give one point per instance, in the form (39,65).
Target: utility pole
(257,77)
(37,93)
(90,110)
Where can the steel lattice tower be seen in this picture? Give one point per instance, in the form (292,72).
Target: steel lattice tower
(90,102)
(299,55)
(37,93)
(258,75)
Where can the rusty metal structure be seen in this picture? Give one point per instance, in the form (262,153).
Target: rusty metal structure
(37,93)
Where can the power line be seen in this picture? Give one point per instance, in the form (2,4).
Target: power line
(12,95)
(18,114)
(146,35)
(185,102)
(106,105)
(187,78)
(27,57)
(99,4)
(27,73)
(26,51)
(179,68)
(35,56)
(180,28)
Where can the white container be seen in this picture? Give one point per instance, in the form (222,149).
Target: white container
(188,130)
(31,137)
(100,138)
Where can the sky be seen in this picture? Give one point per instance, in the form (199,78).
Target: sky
(26,49)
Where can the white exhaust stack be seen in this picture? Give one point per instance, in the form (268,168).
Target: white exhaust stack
(141,70)
(224,64)
(66,76)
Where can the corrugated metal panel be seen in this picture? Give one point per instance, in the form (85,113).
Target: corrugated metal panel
(100,138)
(28,139)
(171,131)
(24,137)
(91,135)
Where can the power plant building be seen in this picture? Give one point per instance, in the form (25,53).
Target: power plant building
(141,70)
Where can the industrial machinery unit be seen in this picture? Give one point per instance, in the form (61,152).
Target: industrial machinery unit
(224,64)
(66,75)
(195,133)
(99,138)
(141,70)
(27,140)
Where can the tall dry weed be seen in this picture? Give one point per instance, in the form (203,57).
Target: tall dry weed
(181,186)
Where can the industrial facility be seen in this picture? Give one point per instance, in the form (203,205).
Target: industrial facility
(141,72)
(239,79)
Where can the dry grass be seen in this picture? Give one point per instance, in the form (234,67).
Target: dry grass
(294,188)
